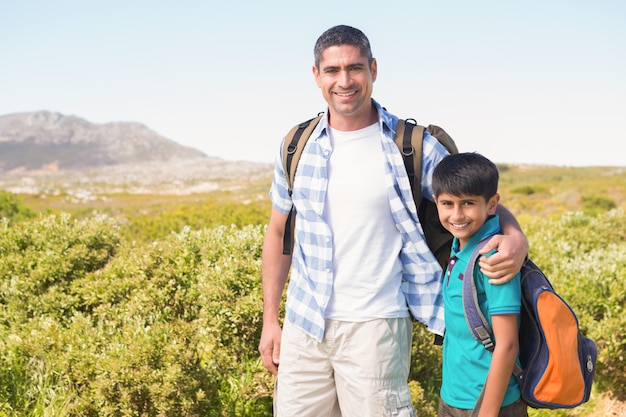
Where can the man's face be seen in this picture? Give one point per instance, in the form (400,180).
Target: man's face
(346,80)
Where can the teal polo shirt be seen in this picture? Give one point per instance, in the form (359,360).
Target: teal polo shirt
(465,361)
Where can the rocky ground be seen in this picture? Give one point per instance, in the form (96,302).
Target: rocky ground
(182,176)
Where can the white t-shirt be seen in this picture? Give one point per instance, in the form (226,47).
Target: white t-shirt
(366,243)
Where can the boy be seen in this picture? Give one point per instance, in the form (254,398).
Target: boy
(465,189)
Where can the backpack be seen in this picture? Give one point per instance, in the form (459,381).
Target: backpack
(408,138)
(557,361)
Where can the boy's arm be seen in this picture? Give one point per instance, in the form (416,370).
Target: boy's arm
(504,355)
(512,248)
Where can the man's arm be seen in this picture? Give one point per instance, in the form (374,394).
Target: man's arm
(274,270)
(512,248)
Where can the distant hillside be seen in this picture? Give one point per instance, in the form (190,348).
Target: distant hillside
(49,142)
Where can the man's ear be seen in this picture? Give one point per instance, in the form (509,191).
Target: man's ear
(316,75)
(374,69)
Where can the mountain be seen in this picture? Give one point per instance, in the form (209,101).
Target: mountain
(46,153)
(46,141)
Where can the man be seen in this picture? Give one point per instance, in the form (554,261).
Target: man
(360,263)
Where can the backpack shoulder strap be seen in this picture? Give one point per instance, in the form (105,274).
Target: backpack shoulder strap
(293,145)
(292,150)
(409,138)
(443,138)
(474,317)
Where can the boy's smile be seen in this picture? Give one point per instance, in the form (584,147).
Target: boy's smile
(463,216)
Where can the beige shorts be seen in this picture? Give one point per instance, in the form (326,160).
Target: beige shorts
(358,370)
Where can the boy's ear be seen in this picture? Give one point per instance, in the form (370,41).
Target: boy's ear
(492,204)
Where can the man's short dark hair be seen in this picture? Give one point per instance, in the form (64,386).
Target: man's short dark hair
(342,35)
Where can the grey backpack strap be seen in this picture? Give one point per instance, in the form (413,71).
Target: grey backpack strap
(474,317)
(476,321)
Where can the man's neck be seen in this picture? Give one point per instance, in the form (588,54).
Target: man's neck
(353,122)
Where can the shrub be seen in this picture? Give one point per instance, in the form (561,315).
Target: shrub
(423,407)
(594,204)
(92,325)
(425,364)
(208,215)
(529,190)
(184,328)
(40,259)
(168,328)
(12,209)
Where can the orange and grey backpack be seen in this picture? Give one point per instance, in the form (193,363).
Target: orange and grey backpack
(558,362)
(408,138)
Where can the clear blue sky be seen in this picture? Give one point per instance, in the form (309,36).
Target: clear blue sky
(534,81)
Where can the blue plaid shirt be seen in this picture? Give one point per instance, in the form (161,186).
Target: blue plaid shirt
(311,277)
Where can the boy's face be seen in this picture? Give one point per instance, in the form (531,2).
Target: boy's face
(463,216)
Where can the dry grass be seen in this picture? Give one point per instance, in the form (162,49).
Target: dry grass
(530,191)
(609,406)
(600,405)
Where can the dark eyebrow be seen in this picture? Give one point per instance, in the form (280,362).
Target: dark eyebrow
(356,65)
(330,68)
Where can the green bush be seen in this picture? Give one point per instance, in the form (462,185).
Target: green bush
(426,364)
(12,209)
(423,407)
(169,328)
(40,259)
(594,204)
(184,328)
(209,215)
(39,262)
(93,325)
(530,190)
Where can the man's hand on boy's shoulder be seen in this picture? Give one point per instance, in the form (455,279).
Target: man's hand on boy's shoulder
(503,265)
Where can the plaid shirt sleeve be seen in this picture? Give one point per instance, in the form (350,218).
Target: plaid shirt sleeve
(310,282)
(421,280)
(279,194)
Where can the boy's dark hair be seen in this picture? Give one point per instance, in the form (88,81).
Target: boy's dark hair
(467,173)
(342,35)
